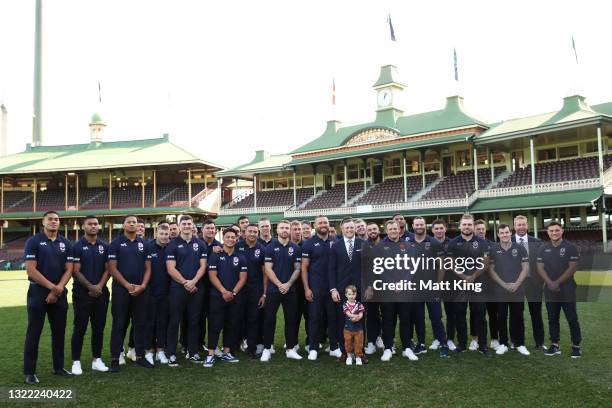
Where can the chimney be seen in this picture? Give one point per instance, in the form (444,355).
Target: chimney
(3,131)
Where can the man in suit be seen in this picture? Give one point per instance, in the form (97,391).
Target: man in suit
(344,269)
(533,285)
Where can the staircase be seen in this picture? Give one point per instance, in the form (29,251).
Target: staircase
(352,201)
(423,191)
(319,194)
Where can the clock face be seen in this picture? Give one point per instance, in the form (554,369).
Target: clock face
(384,97)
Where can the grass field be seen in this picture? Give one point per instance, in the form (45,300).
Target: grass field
(467,379)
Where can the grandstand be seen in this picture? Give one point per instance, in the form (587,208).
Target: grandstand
(152,178)
(442,163)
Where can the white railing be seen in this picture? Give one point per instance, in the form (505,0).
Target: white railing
(252,210)
(328,211)
(540,188)
(607,177)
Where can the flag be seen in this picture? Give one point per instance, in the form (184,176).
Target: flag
(99,93)
(574,48)
(391,28)
(455,61)
(334,91)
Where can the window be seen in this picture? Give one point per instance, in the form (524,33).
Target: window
(463,158)
(307,181)
(483,157)
(412,167)
(340,173)
(267,185)
(588,147)
(498,158)
(353,171)
(568,151)
(547,154)
(280,183)
(393,167)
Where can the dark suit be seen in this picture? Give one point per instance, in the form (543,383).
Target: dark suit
(533,287)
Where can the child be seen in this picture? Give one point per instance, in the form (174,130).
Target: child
(353,326)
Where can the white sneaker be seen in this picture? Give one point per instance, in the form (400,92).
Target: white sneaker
(312,355)
(410,354)
(244,345)
(122,358)
(292,354)
(523,350)
(307,348)
(494,344)
(265,355)
(379,343)
(296,347)
(336,353)
(370,349)
(327,349)
(434,345)
(149,357)
(451,345)
(98,365)
(387,354)
(161,357)
(76,368)
(272,351)
(259,349)
(501,349)
(473,345)
(393,350)
(358,361)
(349,359)
(131,354)
(218,352)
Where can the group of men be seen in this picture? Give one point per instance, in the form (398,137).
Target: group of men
(178,286)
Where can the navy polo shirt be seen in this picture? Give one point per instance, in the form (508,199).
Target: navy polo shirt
(444,244)
(427,249)
(556,259)
(228,268)
(317,251)
(508,262)
(159,285)
(209,247)
(130,257)
(473,248)
(92,258)
(254,257)
(407,236)
(187,256)
(50,256)
(263,242)
(282,257)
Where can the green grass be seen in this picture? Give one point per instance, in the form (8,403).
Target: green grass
(464,380)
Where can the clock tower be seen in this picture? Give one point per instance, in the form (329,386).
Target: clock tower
(387,90)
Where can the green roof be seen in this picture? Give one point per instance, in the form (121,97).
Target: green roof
(102,156)
(95,118)
(105,212)
(231,219)
(536,201)
(262,162)
(605,108)
(387,77)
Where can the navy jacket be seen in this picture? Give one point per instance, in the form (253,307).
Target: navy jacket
(342,271)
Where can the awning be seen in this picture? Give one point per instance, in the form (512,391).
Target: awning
(577,198)
(253,218)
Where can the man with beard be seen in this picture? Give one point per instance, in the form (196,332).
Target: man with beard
(480,229)
(405,235)
(306,231)
(265,231)
(373,311)
(361,229)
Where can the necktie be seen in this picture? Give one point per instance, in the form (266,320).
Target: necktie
(350,249)
(525,244)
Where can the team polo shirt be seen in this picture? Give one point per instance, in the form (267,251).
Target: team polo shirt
(92,258)
(429,248)
(228,268)
(475,247)
(159,285)
(282,257)
(254,257)
(263,242)
(407,236)
(317,251)
(508,262)
(50,256)
(556,259)
(444,244)
(209,247)
(187,256)
(130,256)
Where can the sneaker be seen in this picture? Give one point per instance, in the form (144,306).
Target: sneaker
(307,348)
(265,355)
(379,343)
(444,353)
(122,358)
(553,350)
(336,353)
(484,351)
(229,358)
(31,379)
(187,355)
(408,353)
(541,347)
(327,349)
(387,354)
(76,368)
(495,344)
(244,345)
(459,349)
(370,349)
(149,357)
(451,345)
(292,354)
(196,359)
(434,345)
(143,362)
(296,347)
(131,354)
(218,352)
(473,345)
(576,352)
(172,361)
(393,350)
(523,350)
(97,365)
(114,367)
(420,349)
(161,357)
(501,349)
(272,351)
(349,359)
(259,349)
(312,355)
(358,361)
(210,361)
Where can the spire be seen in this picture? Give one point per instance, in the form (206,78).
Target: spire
(96,127)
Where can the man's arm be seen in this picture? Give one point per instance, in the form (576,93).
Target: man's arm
(569,272)
(174,273)
(79,277)
(201,271)
(271,275)
(117,276)
(39,278)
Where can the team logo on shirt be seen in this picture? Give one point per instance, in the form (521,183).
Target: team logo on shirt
(154,255)
(427,246)
(62,246)
(236,261)
(43,243)
(101,249)
(514,252)
(257,253)
(562,252)
(290,251)
(475,244)
(195,246)
(140,246)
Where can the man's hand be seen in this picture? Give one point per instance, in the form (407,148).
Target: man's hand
(368,294)
(57,290)
(468,278)
(309,295)
(95,290)
(228,296)
(335,295)
(138,289)
(512,287)
(553,286)
(51,298)
(262,301)
(216,249)
(284,287)
(190,286)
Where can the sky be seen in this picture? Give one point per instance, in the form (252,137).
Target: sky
(225,79)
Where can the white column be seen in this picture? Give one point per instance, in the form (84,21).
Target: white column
(490,156)
(294,190)
(404,175)
(475,167)
(604,226)
(365,185)
(255,191)
(532,159)
(535,225)
(345,184)
(422,157)
(600,153)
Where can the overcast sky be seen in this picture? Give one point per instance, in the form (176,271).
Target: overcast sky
(228,78)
